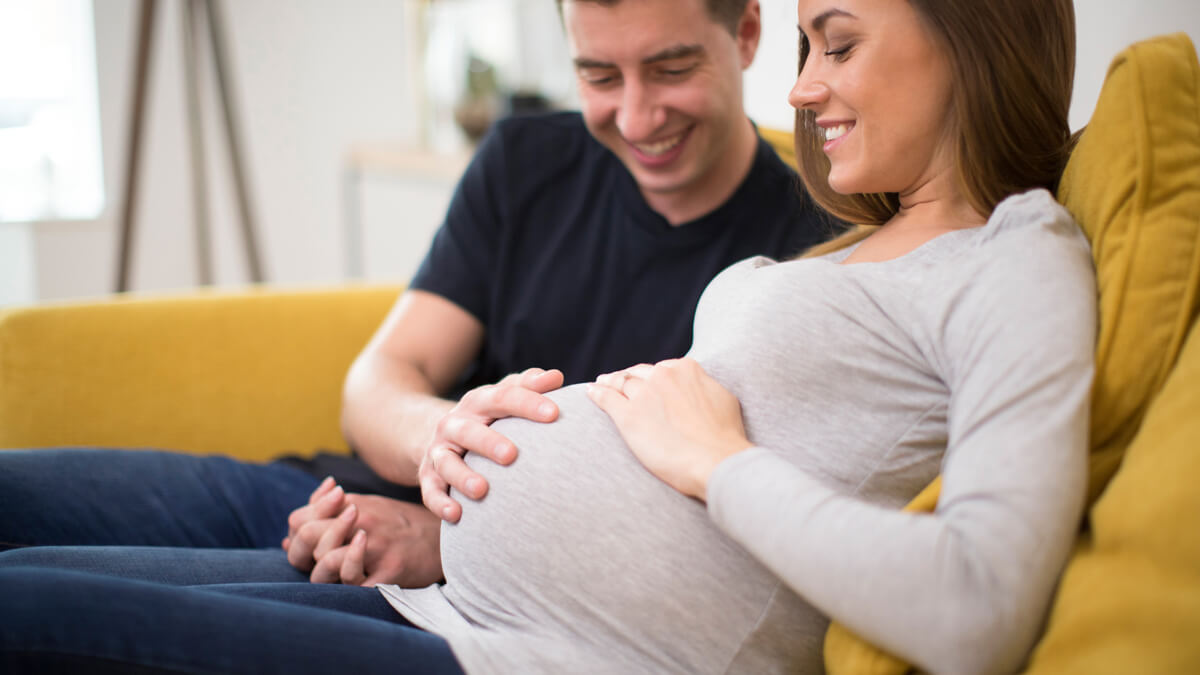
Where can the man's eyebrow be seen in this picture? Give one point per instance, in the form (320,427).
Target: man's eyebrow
(818,24)
(593,63)
(676,52)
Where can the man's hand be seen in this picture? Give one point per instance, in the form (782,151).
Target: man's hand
(466,428)
(364,540)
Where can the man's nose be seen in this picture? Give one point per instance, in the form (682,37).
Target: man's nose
(640,115)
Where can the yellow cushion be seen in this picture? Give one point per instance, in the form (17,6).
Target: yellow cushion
(254,374)
(1133,184)
(1129,600)
(782,142)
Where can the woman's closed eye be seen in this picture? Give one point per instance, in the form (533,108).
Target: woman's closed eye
(841,53)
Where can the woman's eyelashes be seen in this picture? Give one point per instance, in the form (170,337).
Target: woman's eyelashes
(841,53)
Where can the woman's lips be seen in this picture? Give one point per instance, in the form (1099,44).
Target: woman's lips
(835,133)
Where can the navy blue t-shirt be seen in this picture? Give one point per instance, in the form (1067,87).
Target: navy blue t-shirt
(549,243)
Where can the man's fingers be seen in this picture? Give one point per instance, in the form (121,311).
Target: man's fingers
(504,400)
(435,497)
(337,533)
(451,468)
(352,571)
(540,380)
(474,436)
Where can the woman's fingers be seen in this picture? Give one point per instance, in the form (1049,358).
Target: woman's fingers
(337,533)
(353,571)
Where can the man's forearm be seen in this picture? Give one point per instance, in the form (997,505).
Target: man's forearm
(389,413)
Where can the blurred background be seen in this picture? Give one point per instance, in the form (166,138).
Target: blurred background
(353,121)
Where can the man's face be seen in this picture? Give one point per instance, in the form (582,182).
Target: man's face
(661,87)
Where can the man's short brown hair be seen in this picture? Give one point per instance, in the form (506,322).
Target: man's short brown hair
(725,12)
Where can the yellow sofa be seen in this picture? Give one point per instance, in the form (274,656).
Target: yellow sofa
(258,373)
(254,374)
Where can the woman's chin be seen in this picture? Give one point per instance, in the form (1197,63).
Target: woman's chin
(845,182)
(841,184)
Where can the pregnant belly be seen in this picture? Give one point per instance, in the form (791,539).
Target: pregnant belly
(577,535)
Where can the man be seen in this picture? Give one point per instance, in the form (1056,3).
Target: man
(575,241)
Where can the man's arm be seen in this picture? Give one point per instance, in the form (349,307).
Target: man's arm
(390,403)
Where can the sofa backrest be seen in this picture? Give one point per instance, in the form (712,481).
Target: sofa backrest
(1129,600)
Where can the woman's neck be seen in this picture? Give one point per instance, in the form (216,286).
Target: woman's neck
(928,211)
(936,203)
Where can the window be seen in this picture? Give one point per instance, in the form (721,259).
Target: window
(50,166)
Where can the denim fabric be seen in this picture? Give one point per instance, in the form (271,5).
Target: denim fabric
(177,566)
(79,496)
(61,620)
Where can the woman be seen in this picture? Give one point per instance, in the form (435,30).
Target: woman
(820,395)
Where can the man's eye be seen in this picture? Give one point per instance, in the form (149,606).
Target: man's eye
(597,78)
(675,72)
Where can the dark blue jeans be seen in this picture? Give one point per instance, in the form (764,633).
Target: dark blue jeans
(55,620)
(145,498)
(164,565)
(145,561)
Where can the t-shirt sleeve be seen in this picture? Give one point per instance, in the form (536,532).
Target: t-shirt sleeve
(460,263)
(964,589)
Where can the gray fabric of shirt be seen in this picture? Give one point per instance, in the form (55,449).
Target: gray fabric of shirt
(859,383)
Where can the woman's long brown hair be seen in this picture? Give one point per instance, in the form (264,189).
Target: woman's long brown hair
(1013,66)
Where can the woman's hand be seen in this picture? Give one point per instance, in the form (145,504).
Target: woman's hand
(679,422)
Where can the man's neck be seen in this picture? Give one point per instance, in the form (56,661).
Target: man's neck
(713,189)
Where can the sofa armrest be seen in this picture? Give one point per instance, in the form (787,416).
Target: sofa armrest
(253,374)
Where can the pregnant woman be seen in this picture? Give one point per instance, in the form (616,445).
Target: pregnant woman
(710,514)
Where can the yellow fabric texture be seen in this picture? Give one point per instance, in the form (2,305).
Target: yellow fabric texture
(1129,600)
(253,374)
(782,142)
(1133,184)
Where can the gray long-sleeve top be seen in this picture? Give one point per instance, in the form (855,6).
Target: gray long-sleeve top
(971,355)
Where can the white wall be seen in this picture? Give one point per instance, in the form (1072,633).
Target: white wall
(314,77)
(1104,27)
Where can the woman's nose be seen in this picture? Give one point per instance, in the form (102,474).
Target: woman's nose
(808,91)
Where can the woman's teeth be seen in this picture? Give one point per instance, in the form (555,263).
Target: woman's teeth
(833,133)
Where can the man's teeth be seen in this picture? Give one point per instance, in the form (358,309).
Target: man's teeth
(655,149)
(840,130)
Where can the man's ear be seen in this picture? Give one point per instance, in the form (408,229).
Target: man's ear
(749,30)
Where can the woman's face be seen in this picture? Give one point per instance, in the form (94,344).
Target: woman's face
(880,90)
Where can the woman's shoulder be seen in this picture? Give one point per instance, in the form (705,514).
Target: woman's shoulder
(1030,247)
(1032,218)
